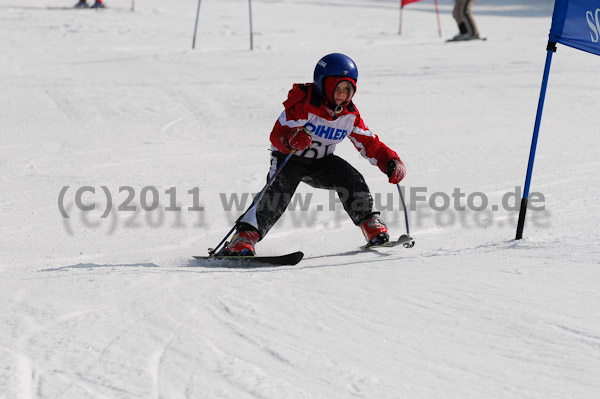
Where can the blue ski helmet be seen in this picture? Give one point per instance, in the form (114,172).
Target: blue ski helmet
(335,64)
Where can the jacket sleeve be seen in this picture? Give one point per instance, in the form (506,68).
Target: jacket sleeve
(293,116)
(370,147)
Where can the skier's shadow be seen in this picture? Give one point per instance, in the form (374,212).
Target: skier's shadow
(379,251)
(99,266)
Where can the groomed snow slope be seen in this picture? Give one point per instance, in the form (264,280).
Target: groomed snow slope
(113,307)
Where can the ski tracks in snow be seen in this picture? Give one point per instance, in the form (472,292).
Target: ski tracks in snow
(21,372)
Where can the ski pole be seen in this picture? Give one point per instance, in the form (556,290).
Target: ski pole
(405,239)
(212,251)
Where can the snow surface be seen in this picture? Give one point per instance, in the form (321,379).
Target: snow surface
(114,307)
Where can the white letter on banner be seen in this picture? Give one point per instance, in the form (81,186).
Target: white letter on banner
(594,24)
(597,22)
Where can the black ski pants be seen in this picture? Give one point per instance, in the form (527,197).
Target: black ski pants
(464,18)
(330,172)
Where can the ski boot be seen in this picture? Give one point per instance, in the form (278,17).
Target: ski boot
(375,231)
(463,37)
(82,4)
(242,244)
(98,4)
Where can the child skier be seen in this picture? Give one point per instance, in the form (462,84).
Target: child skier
(317,116)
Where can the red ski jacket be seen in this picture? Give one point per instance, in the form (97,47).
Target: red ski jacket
(305,109)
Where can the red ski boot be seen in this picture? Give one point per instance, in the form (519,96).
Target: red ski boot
(375,231)
(242,244)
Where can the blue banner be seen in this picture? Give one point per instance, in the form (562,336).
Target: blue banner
(576,23)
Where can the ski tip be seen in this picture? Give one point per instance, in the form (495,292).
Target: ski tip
(296,257)
(404,240)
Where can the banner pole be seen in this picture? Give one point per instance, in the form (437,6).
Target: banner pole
(536,130)
(251,30)
(437,12)
(400,25)
(196,26)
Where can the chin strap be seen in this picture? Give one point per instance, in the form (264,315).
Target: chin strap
(337,109)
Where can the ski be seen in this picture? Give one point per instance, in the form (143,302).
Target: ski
(67,8)
(290,259)
(77,8)
(454,40)
(404,240)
